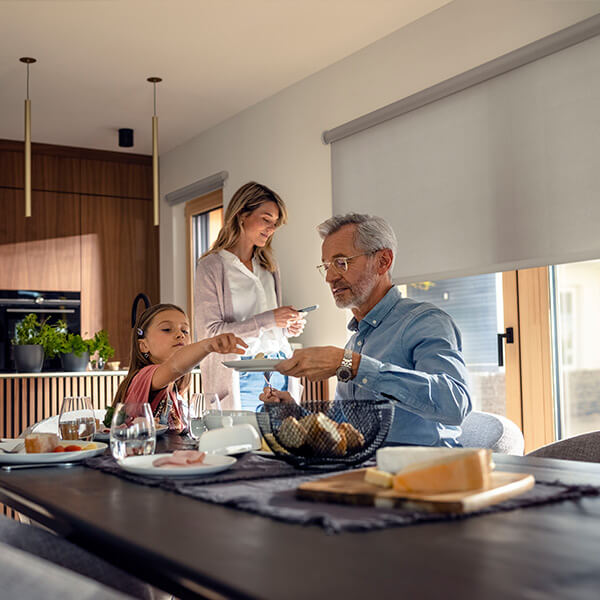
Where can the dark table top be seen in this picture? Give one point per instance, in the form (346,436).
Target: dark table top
(193,548)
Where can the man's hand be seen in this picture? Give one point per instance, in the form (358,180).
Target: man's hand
(272,396)
(315,364)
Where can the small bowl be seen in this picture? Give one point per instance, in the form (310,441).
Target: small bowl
(113,365)
(213,419)
(326,432)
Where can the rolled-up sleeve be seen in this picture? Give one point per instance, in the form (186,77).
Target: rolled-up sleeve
(436,388)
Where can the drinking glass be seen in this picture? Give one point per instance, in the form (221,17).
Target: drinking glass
(76,420)
(199,406)
(132,430)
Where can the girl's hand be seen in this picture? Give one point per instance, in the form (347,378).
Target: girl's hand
(285,316)
(226,343)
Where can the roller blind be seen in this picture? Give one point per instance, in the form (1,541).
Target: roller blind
(504,174)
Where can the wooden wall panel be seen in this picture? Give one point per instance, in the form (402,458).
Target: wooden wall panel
(43,251)
(128,262)
(11,168)
(110,178)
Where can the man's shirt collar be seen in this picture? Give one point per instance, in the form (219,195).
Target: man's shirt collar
(378,313)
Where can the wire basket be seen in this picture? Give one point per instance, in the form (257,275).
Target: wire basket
(325,432)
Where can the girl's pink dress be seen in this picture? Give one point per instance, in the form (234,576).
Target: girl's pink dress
(140,391)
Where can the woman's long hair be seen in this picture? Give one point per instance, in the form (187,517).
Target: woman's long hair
(137,360)
(247,199)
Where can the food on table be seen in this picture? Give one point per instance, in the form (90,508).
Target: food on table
(432,470)
(291,433)
(354,438)
(275,445)
(37,443)
(323,435)
(181,458)
(260,356)
(264,446)
(379,478)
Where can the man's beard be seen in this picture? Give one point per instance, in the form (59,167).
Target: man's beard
(359,292)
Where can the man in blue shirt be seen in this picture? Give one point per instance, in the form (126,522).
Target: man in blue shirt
(401,349)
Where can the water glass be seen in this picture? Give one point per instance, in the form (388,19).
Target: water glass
(198,406)
(76,420)
(132,431)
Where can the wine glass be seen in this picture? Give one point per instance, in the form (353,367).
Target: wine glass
(132,430)
(76,420)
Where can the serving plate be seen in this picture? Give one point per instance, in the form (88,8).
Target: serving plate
(142,465)
(105,436)
(253,365)
(22,458)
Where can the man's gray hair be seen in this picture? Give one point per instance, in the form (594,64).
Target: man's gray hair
(372,233)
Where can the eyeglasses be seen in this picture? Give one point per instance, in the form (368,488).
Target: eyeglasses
(340,263)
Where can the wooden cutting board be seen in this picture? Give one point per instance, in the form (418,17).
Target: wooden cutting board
(351,488)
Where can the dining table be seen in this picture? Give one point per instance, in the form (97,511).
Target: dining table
(197,549)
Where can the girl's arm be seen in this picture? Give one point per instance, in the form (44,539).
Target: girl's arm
(187,357)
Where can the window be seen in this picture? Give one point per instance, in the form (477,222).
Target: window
(204,219)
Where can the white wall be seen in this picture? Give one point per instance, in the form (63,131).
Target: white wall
(277,142)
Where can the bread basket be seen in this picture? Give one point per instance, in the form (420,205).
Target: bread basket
(325,432)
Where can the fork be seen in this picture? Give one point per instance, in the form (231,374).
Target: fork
(267,375)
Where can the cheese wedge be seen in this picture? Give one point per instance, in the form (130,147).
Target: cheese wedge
(393,460)
(469,469)
(379,478)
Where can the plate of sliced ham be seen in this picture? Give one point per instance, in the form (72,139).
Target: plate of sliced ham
(181,463)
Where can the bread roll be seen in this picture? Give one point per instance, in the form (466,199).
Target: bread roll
(291,433)
(37,443)
(355,440)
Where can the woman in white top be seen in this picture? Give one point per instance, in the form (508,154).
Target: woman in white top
(238,290)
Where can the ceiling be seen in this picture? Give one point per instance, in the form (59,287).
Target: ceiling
(216,58)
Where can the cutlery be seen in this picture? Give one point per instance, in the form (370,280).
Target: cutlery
(267,375)
(16,450)
(64,465)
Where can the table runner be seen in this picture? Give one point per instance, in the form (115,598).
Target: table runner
(267,487)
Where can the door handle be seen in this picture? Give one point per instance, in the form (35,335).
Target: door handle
(510,339)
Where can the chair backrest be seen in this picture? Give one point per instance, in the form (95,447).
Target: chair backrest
(486,430)
(50,425)
(584,447)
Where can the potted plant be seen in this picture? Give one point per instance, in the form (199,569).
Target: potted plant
(75,353)
(101,349)
(32,342)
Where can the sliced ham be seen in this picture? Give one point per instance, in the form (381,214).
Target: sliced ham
(181,458)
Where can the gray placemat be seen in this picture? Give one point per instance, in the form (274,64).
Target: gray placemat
(267,487)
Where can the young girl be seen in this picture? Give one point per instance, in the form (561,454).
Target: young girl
(161,359)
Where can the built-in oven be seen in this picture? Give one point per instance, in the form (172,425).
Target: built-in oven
(49,306)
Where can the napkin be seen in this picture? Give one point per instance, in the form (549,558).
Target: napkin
(10,444)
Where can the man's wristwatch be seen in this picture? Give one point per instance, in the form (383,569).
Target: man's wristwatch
(344,372)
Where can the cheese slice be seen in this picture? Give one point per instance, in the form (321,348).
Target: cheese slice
(379,478)
(461,472)
(393,460)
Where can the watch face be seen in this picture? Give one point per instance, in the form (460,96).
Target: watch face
(344,374)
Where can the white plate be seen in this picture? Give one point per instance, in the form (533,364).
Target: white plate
(142,465)
(105,437)
(22,458)
(253,364)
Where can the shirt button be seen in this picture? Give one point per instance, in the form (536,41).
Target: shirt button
(359,343)
(374,322)
(364,380)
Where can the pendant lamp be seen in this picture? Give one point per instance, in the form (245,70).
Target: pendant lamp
(27,138)
(155,182)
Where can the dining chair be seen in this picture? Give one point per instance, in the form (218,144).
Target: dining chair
(584,447)
(23,575)
(496,432)
(59,551)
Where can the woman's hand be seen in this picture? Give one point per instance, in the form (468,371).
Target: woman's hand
(285,316)
(225,343)
(296,328)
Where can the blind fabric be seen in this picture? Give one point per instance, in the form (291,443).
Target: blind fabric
(502,175)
